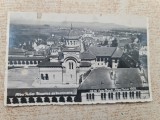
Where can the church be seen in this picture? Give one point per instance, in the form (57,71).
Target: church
(67,67)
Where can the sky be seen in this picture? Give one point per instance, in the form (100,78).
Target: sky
(31,18)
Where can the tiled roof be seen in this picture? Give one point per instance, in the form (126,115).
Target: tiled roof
(85,64)
(26,58)
(117,53)
(102,51)
(87,56)
(47,63)
(100,78)
(16,51)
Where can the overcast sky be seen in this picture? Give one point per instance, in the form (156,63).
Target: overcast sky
(31,18)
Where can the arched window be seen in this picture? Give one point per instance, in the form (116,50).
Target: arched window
(72,65)
(92,96)
(126,95)
(109,95)
(137,94)
(101,96)
(105,96)
(119,95)
(69,65)
(132,94)
(87,96)
(47,78)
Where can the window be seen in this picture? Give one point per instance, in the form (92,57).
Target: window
(90,96)
(112,96)
(74,42)
(103,96)
(42,77)
(71,42)
(87,96)
(70,65)
(47,77)
(109,95)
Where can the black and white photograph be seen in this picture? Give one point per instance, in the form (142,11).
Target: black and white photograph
(63,59)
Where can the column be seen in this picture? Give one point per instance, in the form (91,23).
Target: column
(28,62)
(21,62)
(72,98)
(58,99)
(27,99)
(25,62)
(19,100)
(37,62)
(65,99)
(11,100)
(35,99)
(42,99)
(50,99)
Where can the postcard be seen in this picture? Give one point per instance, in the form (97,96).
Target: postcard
(55,58)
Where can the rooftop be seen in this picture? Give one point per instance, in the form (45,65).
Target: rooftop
(85,64)
(106,51)
(100,78)
(87,56)
(47,63)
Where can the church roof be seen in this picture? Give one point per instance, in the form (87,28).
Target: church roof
(100,79)
(87,56)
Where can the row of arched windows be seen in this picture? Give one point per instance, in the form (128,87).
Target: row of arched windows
(118,95)
(90,96)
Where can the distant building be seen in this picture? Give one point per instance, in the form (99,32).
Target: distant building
(17,52)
